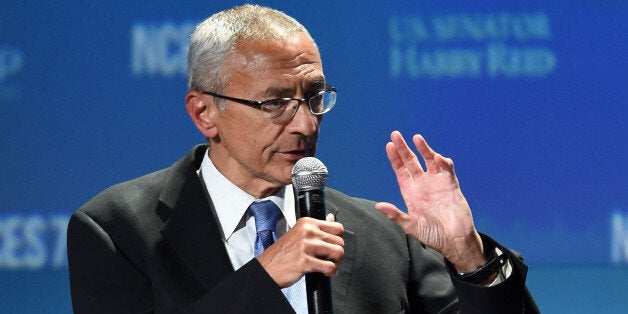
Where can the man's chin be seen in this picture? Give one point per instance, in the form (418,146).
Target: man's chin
(284,174)
(286,180)
(286,177)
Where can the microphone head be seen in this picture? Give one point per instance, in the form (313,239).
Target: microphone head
(309,173)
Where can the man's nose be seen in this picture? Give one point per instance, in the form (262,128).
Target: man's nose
(304,121)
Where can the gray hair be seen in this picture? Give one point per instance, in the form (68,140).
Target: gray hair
(215,38)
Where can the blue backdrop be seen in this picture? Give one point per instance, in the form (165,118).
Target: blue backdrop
(528,98)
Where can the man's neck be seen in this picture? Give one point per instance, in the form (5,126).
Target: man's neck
(256,186)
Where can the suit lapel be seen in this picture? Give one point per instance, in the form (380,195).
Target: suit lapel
(192,230)
(340,283)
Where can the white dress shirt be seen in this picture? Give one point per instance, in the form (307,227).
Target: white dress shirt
(238,226)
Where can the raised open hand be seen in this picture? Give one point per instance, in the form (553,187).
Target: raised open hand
(438,214)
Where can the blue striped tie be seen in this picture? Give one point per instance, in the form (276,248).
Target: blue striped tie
(266,214)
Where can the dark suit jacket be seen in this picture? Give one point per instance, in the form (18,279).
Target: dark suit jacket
(153,245)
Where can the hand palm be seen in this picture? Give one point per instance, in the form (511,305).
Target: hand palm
(438,214)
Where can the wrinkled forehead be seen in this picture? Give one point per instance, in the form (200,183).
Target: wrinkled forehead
(296,57)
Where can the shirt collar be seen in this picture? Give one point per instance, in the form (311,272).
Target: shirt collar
(231,202)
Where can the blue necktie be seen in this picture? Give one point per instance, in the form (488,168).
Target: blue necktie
(266,214)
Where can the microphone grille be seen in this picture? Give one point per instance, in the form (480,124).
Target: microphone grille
(309,173)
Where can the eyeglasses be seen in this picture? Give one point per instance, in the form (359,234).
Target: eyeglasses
(277,109)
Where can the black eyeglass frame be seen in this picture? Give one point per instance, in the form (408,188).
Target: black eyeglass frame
(326,89)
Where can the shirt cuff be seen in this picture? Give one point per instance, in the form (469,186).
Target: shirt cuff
(504,272)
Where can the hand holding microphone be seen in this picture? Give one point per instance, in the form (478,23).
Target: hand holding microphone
(313,247)
(309,176)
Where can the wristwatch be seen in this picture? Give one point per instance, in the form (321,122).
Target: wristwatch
(495,263)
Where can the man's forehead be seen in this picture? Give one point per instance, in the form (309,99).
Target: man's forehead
(282,64)
(298,49)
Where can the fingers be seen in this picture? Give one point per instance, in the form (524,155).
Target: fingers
(403,159)
(391,211)
(421,144)
(312,245)
(404,155)
(427,153)
(327,227)
(330,217)
(444,164)
(403,175)
(435,162)
(322,245)
(396,215)
(324,257)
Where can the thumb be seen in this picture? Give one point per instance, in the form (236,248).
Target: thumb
(393,213)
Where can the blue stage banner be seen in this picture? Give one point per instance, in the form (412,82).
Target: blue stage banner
(527,97)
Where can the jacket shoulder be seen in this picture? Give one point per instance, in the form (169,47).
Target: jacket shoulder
(141,196)
(132,195)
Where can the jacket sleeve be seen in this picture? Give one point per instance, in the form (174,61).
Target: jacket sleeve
(102,278)
(105,280)
(509,296)
(248,290)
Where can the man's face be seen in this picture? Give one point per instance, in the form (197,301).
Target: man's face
(250,150)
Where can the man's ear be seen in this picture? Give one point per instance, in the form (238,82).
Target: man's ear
(203,112)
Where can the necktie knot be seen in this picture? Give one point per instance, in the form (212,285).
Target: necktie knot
(266,214)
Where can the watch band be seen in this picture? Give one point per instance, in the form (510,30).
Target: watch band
(495,262)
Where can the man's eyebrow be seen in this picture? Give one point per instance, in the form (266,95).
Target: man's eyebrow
(315,85)
(278,92)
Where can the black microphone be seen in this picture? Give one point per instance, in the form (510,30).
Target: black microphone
(309,176)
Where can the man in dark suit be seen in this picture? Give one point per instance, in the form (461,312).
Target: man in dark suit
(184,239)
